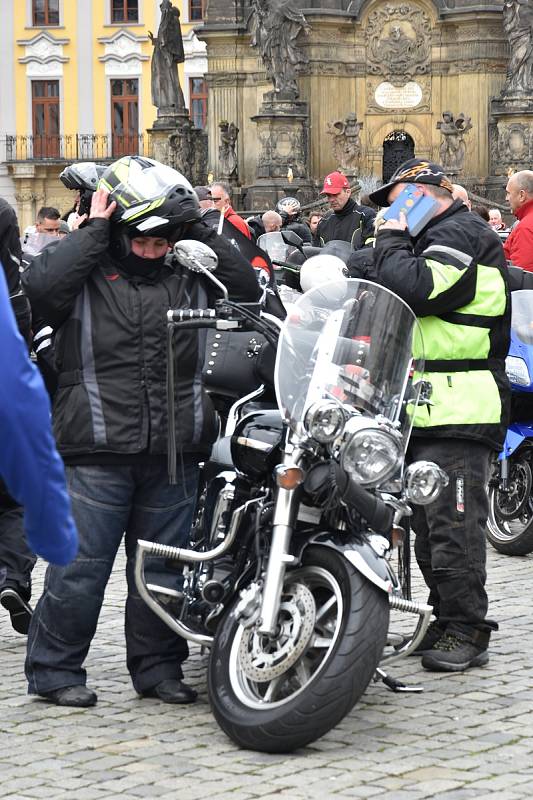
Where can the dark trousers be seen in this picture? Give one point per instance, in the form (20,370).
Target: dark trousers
(450,535)
(111,503)
(16,559)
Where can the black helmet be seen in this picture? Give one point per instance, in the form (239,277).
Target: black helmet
(83,175)
(152,199)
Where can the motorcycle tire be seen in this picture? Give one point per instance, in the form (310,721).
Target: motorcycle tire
(269,698)
(512,537)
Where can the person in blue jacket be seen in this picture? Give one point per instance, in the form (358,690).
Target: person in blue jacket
(29,462)
(16,558)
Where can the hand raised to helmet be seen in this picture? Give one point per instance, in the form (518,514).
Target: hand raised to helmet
(99,207)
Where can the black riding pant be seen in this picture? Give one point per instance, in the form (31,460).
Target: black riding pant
(450,535)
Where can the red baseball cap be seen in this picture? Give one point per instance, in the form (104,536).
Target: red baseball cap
(334,183)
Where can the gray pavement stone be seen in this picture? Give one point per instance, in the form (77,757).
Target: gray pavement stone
(467,736)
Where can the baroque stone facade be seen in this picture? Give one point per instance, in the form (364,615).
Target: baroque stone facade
(396,65)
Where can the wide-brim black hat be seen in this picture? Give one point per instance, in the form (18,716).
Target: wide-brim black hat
(415,170)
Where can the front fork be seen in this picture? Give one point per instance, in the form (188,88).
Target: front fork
(285,511)
(504,473)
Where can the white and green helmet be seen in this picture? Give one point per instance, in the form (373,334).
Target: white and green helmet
(152,199)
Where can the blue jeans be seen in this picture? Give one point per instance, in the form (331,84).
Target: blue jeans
(109,502)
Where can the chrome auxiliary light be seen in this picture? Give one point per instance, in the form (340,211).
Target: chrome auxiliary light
(324,421)
(424,481)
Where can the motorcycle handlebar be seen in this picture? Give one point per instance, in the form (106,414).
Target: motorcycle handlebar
(191,318)
(189,314)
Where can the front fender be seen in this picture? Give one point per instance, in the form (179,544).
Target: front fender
(516,434)
(361,555)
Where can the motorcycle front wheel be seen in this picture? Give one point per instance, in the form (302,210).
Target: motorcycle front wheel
(276,694)
(510,520)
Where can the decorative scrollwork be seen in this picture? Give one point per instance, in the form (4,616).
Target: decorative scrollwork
(398,42)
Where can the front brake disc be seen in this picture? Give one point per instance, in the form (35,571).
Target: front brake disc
(263,658)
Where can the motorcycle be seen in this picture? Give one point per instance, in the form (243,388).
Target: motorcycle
(289,577)
(510,520)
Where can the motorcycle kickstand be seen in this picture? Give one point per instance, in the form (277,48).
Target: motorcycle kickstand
(393,684)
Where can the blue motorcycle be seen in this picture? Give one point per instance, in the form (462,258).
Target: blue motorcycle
(510,521)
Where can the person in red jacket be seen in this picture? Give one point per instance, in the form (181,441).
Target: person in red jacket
(518,246)
(221,196)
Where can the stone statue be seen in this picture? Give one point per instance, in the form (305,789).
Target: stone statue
(168,53)
(227,155)
(452,149)
(275,26)
(518,26)
(346,143)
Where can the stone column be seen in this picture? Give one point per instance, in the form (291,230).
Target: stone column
(283,137)
(181,146)
(511,141)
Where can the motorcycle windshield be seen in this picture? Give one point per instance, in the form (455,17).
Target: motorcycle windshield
(274,244)
(522,315)
(354,342)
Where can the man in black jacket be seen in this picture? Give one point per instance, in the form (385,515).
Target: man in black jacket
(347,220)
(453,275)
(105,290)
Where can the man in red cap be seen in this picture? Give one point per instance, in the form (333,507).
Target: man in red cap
(347,221)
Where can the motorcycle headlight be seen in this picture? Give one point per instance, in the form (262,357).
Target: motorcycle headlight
(517,371)
(424,481)
(371,455)
(324,421)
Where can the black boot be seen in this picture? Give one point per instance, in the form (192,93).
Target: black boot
(434,634)
(18,608)
(75,696)
(455,653)
(172,691)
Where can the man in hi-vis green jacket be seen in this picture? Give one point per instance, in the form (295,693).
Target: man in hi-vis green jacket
(453,275)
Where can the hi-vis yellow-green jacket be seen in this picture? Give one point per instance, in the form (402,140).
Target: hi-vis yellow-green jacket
(454,277)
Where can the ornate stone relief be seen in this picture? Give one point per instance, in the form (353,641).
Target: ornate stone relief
(123,54)
(511,146)
(398,42)
(44,55)
(282,146)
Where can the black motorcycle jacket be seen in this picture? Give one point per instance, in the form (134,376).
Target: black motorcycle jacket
(300,228)
(110,343)
(454,277)
(353,223)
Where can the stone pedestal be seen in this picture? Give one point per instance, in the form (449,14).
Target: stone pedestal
(181,146)
(511,134)
(283,136)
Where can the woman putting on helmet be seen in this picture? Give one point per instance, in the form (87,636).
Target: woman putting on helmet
(105,289)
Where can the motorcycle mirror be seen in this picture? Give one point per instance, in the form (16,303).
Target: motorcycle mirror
(198,257)
(290,237)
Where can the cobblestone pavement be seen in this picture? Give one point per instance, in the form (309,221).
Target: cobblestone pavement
(466,736)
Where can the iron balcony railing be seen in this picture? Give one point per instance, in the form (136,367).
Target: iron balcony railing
(74,147)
